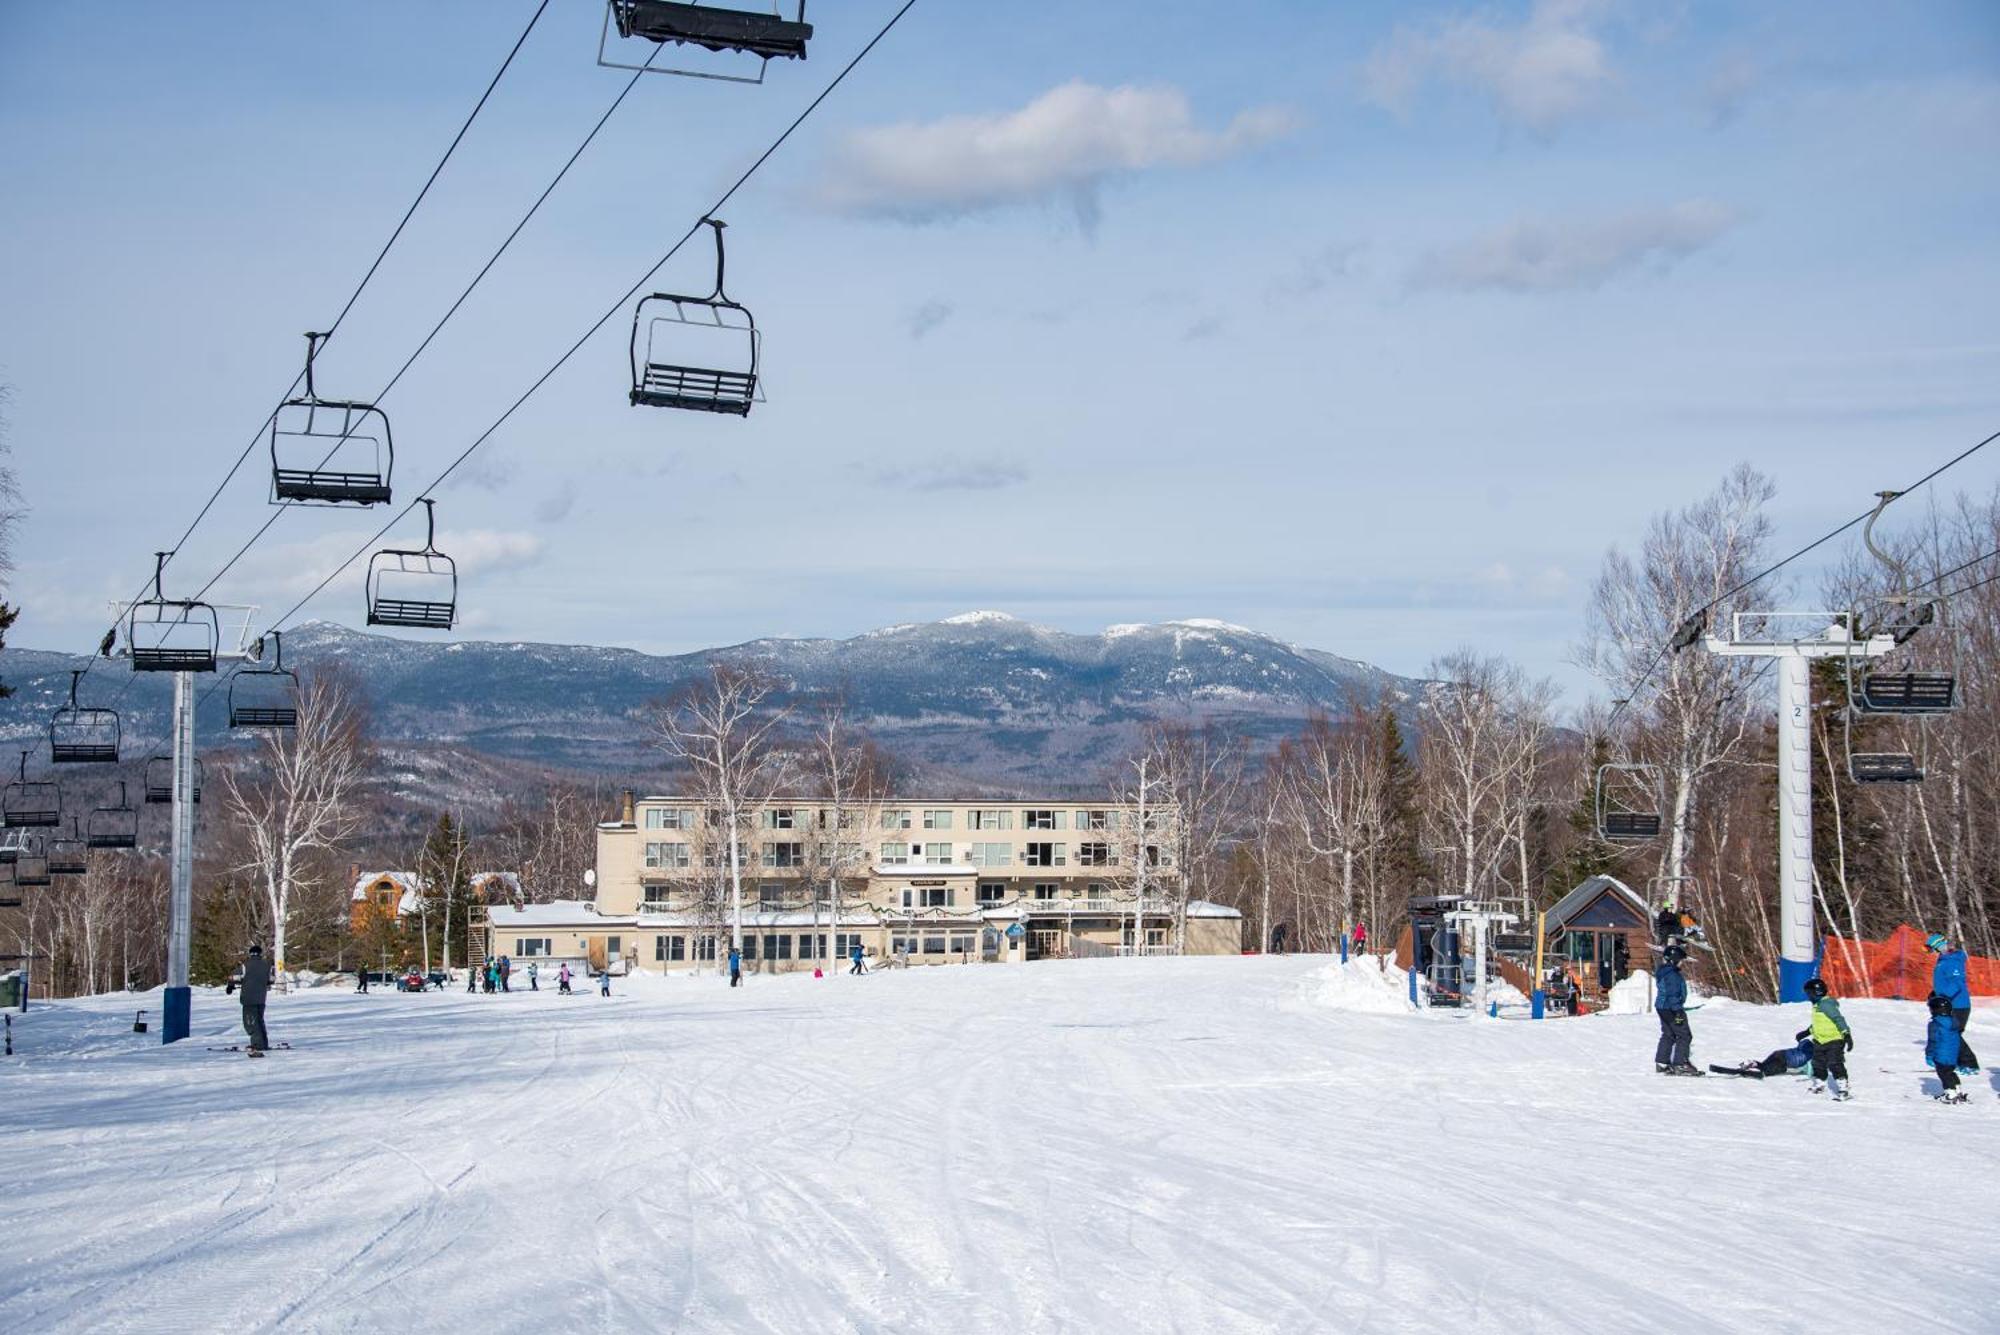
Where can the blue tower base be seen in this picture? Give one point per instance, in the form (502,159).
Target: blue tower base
(1538,1002)
(176,1010)
(1792,976)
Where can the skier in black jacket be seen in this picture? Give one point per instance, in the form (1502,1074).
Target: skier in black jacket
(255,986)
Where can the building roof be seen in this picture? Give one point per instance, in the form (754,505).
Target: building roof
(1201,908)
(1577,900)
(557,913)
(482,880)
(408,883)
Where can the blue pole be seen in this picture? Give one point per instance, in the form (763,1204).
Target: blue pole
(1413,986)
(1538,1001)
(1343,947)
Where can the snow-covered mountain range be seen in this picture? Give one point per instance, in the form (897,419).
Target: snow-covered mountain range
(982,701)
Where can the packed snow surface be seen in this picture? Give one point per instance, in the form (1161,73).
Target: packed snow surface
(1123,1145)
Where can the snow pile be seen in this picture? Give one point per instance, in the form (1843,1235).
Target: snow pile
(1361,984)
(1631,995)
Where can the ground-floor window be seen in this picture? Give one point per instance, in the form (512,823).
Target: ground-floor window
(845,942)
(961,943)
(777,946)
(750,947)
(811,946)
(533,945)
(933,945)
(670,949)
(705,948)
(611,947)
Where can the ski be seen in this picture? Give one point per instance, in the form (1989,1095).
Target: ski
(238,1047)
(1748,1070)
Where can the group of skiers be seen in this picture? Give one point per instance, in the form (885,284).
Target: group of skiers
(1826,1040)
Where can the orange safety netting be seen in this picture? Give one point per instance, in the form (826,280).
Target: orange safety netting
(1896,967)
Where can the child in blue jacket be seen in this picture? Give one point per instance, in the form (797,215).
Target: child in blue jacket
(1948,981)
(1670,1000)
(1942,1049)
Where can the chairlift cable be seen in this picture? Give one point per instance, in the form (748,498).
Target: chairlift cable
(614,309)
(362,286)
(443,320)
(1816,543)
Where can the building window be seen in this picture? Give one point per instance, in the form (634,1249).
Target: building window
(1045,890)
(1094,820)
(937,820)
(809,946)
(895,854)
(937,897)
(1095,855)
(992,892)
(934,945)
(750,946)
(992,855)
(705,948)
(990,820)
(1158,857)
(611,944)
(530,946)
(670,949)
(1048,855)
(778,818)
(718,855)
(664,818)
(785,855)
(1043,820)
(666,856)
(777,946)
(961,943)
(937,855)
(895,820)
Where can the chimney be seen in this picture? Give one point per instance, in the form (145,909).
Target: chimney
(628,815)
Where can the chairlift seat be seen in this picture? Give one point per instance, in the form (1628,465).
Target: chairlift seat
(410,612)
(265,697)
(32,871)
(329,451)
(696,388)
(112,833)
(68,857)
(334,488)
(83,751)
(714,27)
(1885,767)
(1631,826)
(83,734)
(31,805)
(1908,693)
(160,781)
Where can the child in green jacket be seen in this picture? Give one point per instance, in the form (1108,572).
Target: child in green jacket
(1831,1040)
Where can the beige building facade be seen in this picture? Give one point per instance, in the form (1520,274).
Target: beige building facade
(911,882)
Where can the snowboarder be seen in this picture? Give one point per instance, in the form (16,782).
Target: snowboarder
(361,979)
(1831,1040)
(506,967)
(854,954)
(604,981)
(1948,981)
(1943,1049)
(1360,938)
(735,967)
(562,981)
(1671,1057)
(254,985)
(1794,1058)
(534,978)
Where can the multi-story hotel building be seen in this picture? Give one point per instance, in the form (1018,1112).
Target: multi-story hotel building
(919,880)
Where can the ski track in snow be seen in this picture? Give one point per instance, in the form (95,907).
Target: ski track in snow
(1124,1145)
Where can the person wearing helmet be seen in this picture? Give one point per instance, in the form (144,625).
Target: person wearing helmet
(1948,981)
(1942,1048)
(1831,1039)
(1672,1057)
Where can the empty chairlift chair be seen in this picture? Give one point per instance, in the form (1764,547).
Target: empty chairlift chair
(67,854)
(81,734)
(329,451)
(27,804)
(31,866)
(417,589)
(1628,803)
(159,787)
(265,697)
(165,634)
(677,347)
(113,826)
(766,34)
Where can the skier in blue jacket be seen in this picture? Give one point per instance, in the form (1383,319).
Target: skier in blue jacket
(1943,1049)
(1672,1057)
(1948,981)
(735,967)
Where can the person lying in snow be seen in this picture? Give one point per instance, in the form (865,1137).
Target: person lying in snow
(1794,1058)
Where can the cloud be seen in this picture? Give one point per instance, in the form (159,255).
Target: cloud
(1550,68)
(929,316)
(952,474)
(1318,270)
(483,550)
(1207,327)
(1545,256)
(556,507)
(1729,86)
(1063,146)
(490,473)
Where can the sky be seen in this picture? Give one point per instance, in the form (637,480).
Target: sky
(1369,326)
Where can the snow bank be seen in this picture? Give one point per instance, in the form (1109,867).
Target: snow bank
(1631,995)
(1358,985)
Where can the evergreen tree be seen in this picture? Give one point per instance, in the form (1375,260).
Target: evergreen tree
(446,868)
(1589,855)
(1402,828)
(222,933)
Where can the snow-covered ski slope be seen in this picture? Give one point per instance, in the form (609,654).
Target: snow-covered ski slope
(1128,1145)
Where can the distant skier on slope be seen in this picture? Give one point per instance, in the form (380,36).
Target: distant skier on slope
(1943,1049)
(604,981)
(735,967)
(361,979)
(562,981)
(1948,981)
(854,954)
(255,986)
(1360,937)
(472,980)
(1672,1056)
(534,978)
(1831,1040)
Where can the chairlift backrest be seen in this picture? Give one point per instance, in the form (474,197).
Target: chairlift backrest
(26,804)
(265,697)
(678,342)
(171,634)
(80,734)
(1628,803)
(417,589)
(329,451)
(31,866)
(115,826)
(160,781)
(67,855)
(712,27)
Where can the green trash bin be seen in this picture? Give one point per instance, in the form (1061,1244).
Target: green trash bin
(12,985)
